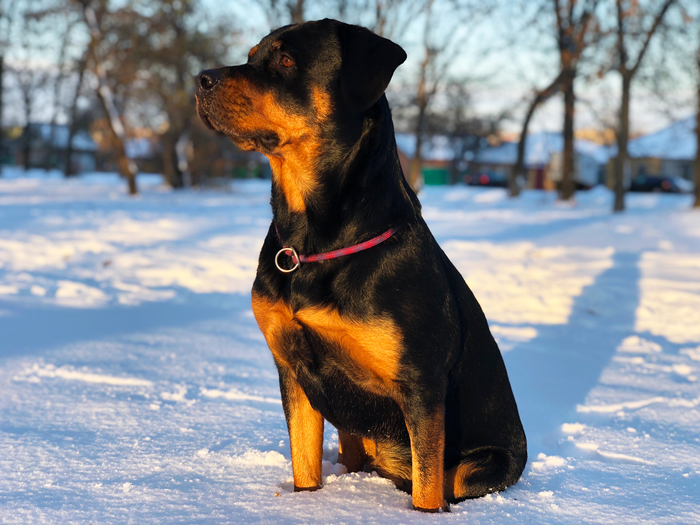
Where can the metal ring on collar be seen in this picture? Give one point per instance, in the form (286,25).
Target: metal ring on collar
(290,252)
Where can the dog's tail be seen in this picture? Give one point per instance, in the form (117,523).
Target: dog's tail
(482,471)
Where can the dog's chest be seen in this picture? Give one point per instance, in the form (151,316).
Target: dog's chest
(315,338)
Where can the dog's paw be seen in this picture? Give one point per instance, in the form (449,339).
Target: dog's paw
(306,489)
(445,508)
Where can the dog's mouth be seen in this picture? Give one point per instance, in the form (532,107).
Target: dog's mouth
(203,115)
(207,122)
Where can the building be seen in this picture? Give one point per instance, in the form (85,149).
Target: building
(669,152)
(437,156)
(48,145)
(543,161)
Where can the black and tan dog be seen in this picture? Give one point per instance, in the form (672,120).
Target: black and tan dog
(388,344)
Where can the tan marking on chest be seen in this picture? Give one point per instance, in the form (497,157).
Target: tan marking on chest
(373,347)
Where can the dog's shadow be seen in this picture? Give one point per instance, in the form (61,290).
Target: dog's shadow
(554,372)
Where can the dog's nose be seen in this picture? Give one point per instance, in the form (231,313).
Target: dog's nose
(208,79)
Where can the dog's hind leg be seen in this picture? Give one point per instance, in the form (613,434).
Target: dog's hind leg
(351,451)
(426,428)
(480,472)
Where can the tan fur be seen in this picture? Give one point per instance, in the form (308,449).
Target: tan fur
(390,462)
(242,109)
(351,451)
(455,480)
(322,103)
(428,469)
(273,318)
(374,347)
(305,439)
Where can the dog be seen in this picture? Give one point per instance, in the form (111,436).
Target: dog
(370,325)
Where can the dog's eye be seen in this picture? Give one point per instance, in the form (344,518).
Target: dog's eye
(286,61)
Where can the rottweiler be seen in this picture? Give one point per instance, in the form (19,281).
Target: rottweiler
(370,325)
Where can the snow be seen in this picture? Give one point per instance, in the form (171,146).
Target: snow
(135,386)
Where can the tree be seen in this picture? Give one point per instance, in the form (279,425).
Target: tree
(696,204)
(174,43)
(65,13)
(73,113)
(453,119)
(30,78)
(93,16)
(575,30)
(283,12)
(630,17)
(445,30)
(540,96)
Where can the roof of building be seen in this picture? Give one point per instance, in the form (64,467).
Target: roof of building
(437,148)
(539,148)
(675,142)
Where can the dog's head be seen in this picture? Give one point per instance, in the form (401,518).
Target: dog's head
(299,82)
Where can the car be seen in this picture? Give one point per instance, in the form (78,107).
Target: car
(660,184)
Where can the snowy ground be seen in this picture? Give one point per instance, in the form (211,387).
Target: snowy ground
(136,388)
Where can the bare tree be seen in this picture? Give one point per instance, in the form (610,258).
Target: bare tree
(59,79)
(630,18)
(29,77)
(177,44)
(540,96)
(282,12)
(444,34)
(427,85)
(454,120)
(575,30)
(81,65)
(696,204)
(92,16)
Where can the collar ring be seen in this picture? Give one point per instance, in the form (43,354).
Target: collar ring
(290,252)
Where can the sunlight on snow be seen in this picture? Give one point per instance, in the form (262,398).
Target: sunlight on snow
(523,283)
(669,303)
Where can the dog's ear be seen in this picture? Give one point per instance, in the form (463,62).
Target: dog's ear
(368,62)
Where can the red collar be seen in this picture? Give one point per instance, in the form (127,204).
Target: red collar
(297,259)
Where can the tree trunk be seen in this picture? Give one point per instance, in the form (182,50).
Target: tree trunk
(697,137)
(127,167)
(567,176)
(519,169)
(518,172)
(183,149)
(414,170)
(73,116)
(171,171)
(622,137)
(26,139)
(2,134)
(296,11)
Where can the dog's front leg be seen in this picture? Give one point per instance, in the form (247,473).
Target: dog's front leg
(426,428)
(305,427)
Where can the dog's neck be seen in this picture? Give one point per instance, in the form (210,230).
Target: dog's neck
(359,190)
